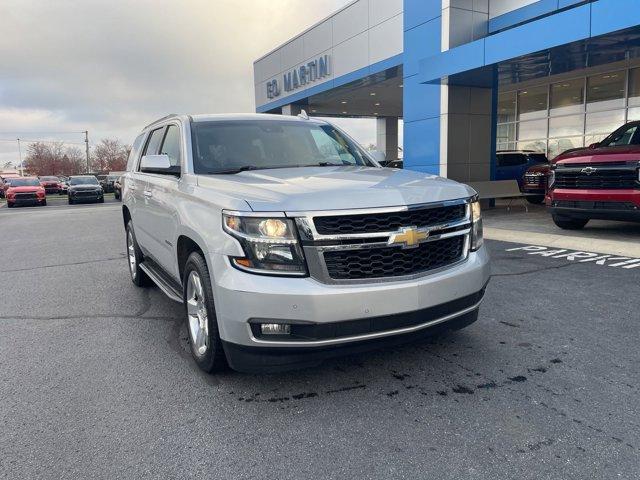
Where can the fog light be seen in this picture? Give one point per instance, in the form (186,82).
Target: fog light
(275,329)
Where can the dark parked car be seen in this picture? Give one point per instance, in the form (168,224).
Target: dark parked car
(85,188)
(107,181)
(535,181)
(512,164)
(117,188)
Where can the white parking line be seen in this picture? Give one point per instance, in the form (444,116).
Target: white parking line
(606,260)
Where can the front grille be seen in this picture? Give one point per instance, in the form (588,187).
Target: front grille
(25,196)
(604,177)
(388,221)
(383,262)
(595,205)
(86,193)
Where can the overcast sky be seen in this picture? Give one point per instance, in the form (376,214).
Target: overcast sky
(111,67)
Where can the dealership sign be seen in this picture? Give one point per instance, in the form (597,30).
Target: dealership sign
(300,76)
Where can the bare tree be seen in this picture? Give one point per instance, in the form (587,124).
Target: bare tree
(110,155)
(53,159)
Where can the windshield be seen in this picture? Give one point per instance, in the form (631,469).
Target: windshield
(49,179)
(83,181)
(229,146)
(23,182)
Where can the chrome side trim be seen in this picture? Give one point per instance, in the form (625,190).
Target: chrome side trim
(367,336)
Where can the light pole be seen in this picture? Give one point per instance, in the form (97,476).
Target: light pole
(86,146)
(20,157)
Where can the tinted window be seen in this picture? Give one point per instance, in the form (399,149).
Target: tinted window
(153,145)
(624,136)
(171,145)
(221,146)
(537,158)
(511,159)
(24,182)
(83,181)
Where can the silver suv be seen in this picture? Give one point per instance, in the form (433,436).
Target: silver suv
(288,243)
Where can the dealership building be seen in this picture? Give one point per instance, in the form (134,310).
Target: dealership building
(466,77)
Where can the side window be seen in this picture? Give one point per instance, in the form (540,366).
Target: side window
(153,144)
(135,152)
(624,137)
(171,145)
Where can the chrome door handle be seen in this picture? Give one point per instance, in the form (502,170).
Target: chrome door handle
(147,193)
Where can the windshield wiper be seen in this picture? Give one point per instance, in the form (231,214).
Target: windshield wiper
(234,170)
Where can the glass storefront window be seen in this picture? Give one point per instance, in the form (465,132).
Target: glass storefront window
(505,146)
(506,133)
(559,145)
(633,114)
(532,129)
(634,87)
(605,91)
(567,97)
(532,103)
(566,126)
(604,122)
(506,107)
(535,145)
(589,139)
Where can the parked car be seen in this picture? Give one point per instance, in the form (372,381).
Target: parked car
(512,164)
(85,188)
(304,241)
(5,182)
(107,181)
(599,182)
(25,191)
(50,184)
(63,187)
(534,182)
(117,188)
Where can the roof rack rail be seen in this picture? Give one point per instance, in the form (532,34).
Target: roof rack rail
(161,119)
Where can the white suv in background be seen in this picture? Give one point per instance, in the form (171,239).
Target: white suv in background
(287,243)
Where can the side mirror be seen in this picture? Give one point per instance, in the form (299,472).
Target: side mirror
(379,157)
(594,145)
(158,164)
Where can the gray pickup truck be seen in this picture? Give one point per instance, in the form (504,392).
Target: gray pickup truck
(288,243)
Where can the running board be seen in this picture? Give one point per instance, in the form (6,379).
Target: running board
(165,284)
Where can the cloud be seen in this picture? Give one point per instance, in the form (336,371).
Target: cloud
(111,67)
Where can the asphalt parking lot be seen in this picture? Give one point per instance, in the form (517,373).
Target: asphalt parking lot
(96,380)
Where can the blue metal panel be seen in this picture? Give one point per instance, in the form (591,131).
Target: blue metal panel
(611,15)
(568,3)
(420,101)
(564,27)
(419,42)
(465,57)
(422,145)
(523,14)
(417,12)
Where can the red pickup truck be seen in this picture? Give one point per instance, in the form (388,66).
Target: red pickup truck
(599,182)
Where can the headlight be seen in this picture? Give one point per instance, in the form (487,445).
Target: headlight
(270,245)
(477,238)
(552,179)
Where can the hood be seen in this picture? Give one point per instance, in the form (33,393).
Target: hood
(333,188)
(541,167)
(84,187)
(27,189)
(600,155)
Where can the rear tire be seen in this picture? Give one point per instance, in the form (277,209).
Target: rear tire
(568,223)
(535,199)
(200,312)
(135,258)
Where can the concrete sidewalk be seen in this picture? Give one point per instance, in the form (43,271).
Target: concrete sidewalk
(536,228)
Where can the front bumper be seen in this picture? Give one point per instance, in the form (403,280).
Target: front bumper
(93,197)
(242,298)
(25,201)
(621,205)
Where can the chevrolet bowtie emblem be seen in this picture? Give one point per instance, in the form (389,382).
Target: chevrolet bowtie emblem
(408,237)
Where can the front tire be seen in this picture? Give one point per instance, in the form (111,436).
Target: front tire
(43,203)
(70,201)
(568,223)
(10,205)
(535,199)
(135,258)
(202,323)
